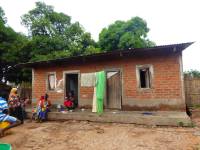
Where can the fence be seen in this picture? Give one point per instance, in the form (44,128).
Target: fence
(192,90)
(25,90)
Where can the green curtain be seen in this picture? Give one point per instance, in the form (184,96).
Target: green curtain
(100,90)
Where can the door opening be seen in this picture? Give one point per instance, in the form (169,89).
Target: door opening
(71,85)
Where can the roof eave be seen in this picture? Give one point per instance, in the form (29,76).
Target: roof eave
(117,53)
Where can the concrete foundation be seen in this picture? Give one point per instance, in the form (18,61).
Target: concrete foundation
(161,118)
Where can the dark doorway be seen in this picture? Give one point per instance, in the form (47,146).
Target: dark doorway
(114,93)
(71,84)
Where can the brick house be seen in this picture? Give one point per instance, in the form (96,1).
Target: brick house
(137,79)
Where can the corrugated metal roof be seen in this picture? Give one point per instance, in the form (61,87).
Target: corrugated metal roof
(114,54)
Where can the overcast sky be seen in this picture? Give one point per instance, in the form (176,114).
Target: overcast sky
(170,21)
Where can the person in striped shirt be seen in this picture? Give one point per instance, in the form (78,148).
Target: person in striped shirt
(4,117)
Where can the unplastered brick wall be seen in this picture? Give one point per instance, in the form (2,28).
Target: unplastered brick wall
(166,80)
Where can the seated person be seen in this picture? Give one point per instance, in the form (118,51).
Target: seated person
(69,101)
(47,104)
(43,108)
(4,117)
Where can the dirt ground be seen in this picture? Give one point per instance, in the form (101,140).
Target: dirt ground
(83,135)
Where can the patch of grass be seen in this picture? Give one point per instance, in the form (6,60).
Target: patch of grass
(197,106)
(192,125)
(180,124)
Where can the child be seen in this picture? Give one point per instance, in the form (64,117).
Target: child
(34,114)
(69,101)
(47,104)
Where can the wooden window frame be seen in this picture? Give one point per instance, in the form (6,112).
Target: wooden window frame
(47,81)
(151,74)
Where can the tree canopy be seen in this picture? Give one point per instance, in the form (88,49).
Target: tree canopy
(11,51)
(53,35)
(192,73)
(125,34)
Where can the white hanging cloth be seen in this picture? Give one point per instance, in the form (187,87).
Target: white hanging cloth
(88,79)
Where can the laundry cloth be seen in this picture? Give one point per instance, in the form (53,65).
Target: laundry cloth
(88,79)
